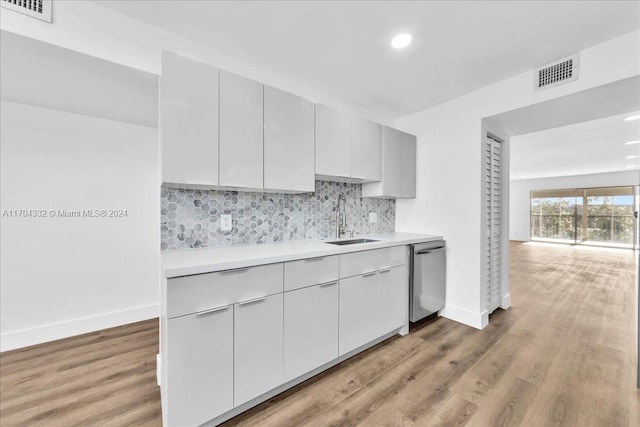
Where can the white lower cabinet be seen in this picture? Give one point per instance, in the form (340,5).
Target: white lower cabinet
(310,328)
(200,367)
(227,344)
(393,299)
(258,341)
(358,311)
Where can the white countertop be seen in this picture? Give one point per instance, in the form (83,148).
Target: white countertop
(205,260)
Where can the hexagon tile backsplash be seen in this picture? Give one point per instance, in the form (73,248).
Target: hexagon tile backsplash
(191,218)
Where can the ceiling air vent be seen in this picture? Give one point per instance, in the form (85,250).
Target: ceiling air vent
(40,9)
(557,73)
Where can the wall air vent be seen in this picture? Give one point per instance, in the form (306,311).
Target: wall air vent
(40,9)
(557,73)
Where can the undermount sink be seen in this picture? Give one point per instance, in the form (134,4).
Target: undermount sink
(351,242)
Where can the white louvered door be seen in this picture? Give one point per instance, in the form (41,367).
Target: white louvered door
(493,221)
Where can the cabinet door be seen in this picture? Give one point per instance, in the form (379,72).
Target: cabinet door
(358,311)
(289,162)
(393,299)
(241,132)
(398,166)
(366,150)
(392,180)
(333,142)
(311,271)
(258,344)
(408,177)
(200,367)
(189,121)
(310,328)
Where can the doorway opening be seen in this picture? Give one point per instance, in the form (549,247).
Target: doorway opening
(578,190)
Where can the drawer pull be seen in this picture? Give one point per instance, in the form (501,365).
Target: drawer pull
(318,258)
(324,285)
(235,270)
(428,251)
(385,270)
(252,301)
(212,310)
(369,274)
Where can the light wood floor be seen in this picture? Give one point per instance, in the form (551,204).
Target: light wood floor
(562,355)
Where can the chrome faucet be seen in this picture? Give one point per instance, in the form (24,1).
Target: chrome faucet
(341,217)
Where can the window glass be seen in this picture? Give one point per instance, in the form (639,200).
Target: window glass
(597,216)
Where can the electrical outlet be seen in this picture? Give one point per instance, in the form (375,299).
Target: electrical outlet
(225,222)
(373,217)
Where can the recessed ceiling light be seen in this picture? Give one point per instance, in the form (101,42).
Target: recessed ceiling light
(402,40)
(632,142)
(634,166)
(632,157)
(636,117)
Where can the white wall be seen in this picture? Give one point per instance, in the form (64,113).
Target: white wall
(520,219)
(448,198)
(65,276)
(87,27)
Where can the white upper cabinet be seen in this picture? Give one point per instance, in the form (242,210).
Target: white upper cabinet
(288,142)
(408,176)
(333,143)
(241,132)
(189,121)
(348,148)
(219,129)
(366,150)
(398,166)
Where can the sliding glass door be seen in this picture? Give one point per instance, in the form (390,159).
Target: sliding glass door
(553,215)
(606,216)
(590,216)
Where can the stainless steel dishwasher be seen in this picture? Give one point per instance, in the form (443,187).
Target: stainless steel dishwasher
(427,292)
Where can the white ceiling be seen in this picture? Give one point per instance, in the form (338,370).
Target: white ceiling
(342,47)
(595,146)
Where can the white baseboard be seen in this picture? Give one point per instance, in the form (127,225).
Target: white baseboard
(470,318)
(505,303)
(54,331)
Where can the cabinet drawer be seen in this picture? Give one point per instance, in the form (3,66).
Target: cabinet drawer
(311,271)
(393,257)
(359,262)
(366,261)
(190,294)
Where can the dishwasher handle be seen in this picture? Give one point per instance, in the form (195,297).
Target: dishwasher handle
(427,251)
